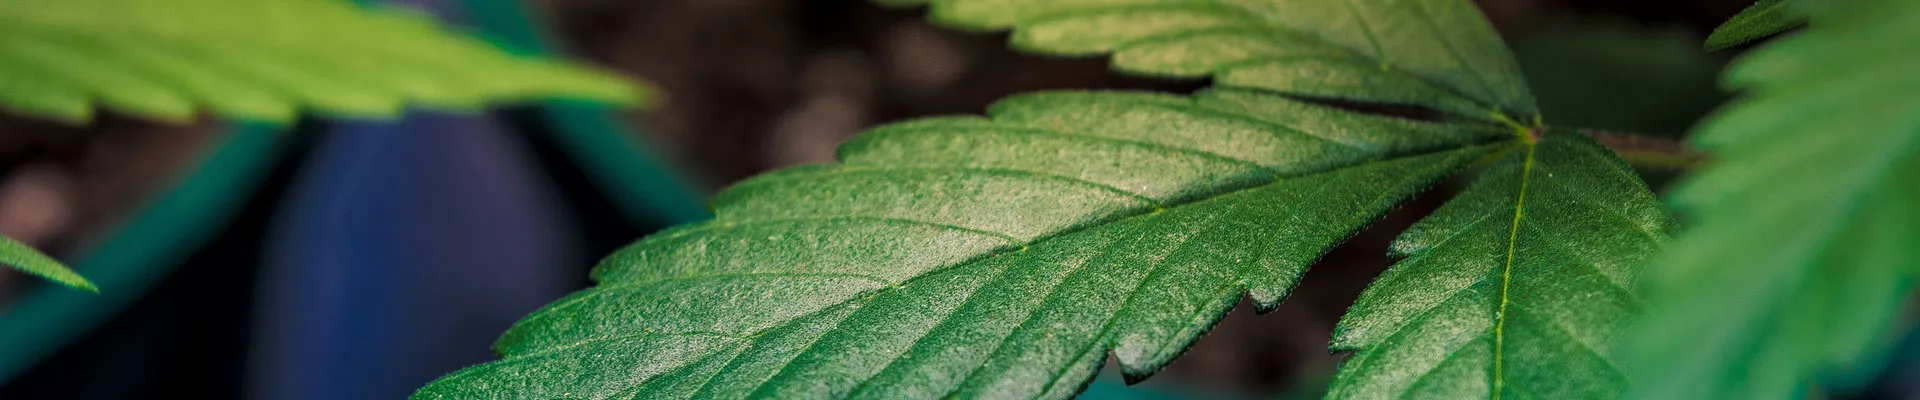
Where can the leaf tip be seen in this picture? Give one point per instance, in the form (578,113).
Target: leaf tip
(85,286)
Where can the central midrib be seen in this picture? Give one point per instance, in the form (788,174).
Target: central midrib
(1506,275)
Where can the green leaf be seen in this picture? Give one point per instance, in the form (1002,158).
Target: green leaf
(977,257)
(25,258)
(1763,19)
(1800,251)
(1435,53)
(262,60)
(1006,257)
(1515,289)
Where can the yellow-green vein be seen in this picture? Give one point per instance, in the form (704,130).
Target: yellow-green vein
(1379,53)
(1506,274)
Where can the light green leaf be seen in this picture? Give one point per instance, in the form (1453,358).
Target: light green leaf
(1516,289)
(980,258)
(25,258)
(1800,253)
(1763,19)
(1434,53)
(262,60)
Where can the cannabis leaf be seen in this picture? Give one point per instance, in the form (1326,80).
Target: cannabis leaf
(1800,251)
(1763,19)
(1436,53)
(167,59)
(22,257)
(994,258)
(1516,289)
(1005,257)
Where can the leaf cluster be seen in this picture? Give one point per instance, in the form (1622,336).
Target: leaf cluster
(1007,256)
(1011,255)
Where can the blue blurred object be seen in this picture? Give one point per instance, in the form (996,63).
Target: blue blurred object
(402,251)
(411,245)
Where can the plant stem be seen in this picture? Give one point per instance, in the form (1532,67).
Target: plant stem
(1648,152)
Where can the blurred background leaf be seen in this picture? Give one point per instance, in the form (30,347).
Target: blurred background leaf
(1797,270)
(1616,75)
(107,190)
(260,60)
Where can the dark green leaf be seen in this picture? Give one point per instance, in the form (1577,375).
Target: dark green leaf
(168,59)
(1435,53)
(1800,252)
(1515,289)
(22,257)
(1763,19)
(995,258)
(1007,257)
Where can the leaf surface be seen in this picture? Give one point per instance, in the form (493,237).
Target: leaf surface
(1517,288)
(26,259)
(1007,256)
(1435,53)
(1763,19)
(980,258)
(262,60)
(1800,254)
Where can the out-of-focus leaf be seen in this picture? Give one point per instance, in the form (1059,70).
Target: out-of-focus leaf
(1801,248)
(261,60)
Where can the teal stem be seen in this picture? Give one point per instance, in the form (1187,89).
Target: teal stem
(143,251)
(645,189)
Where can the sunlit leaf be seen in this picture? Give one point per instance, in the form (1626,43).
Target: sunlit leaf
(262,60)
